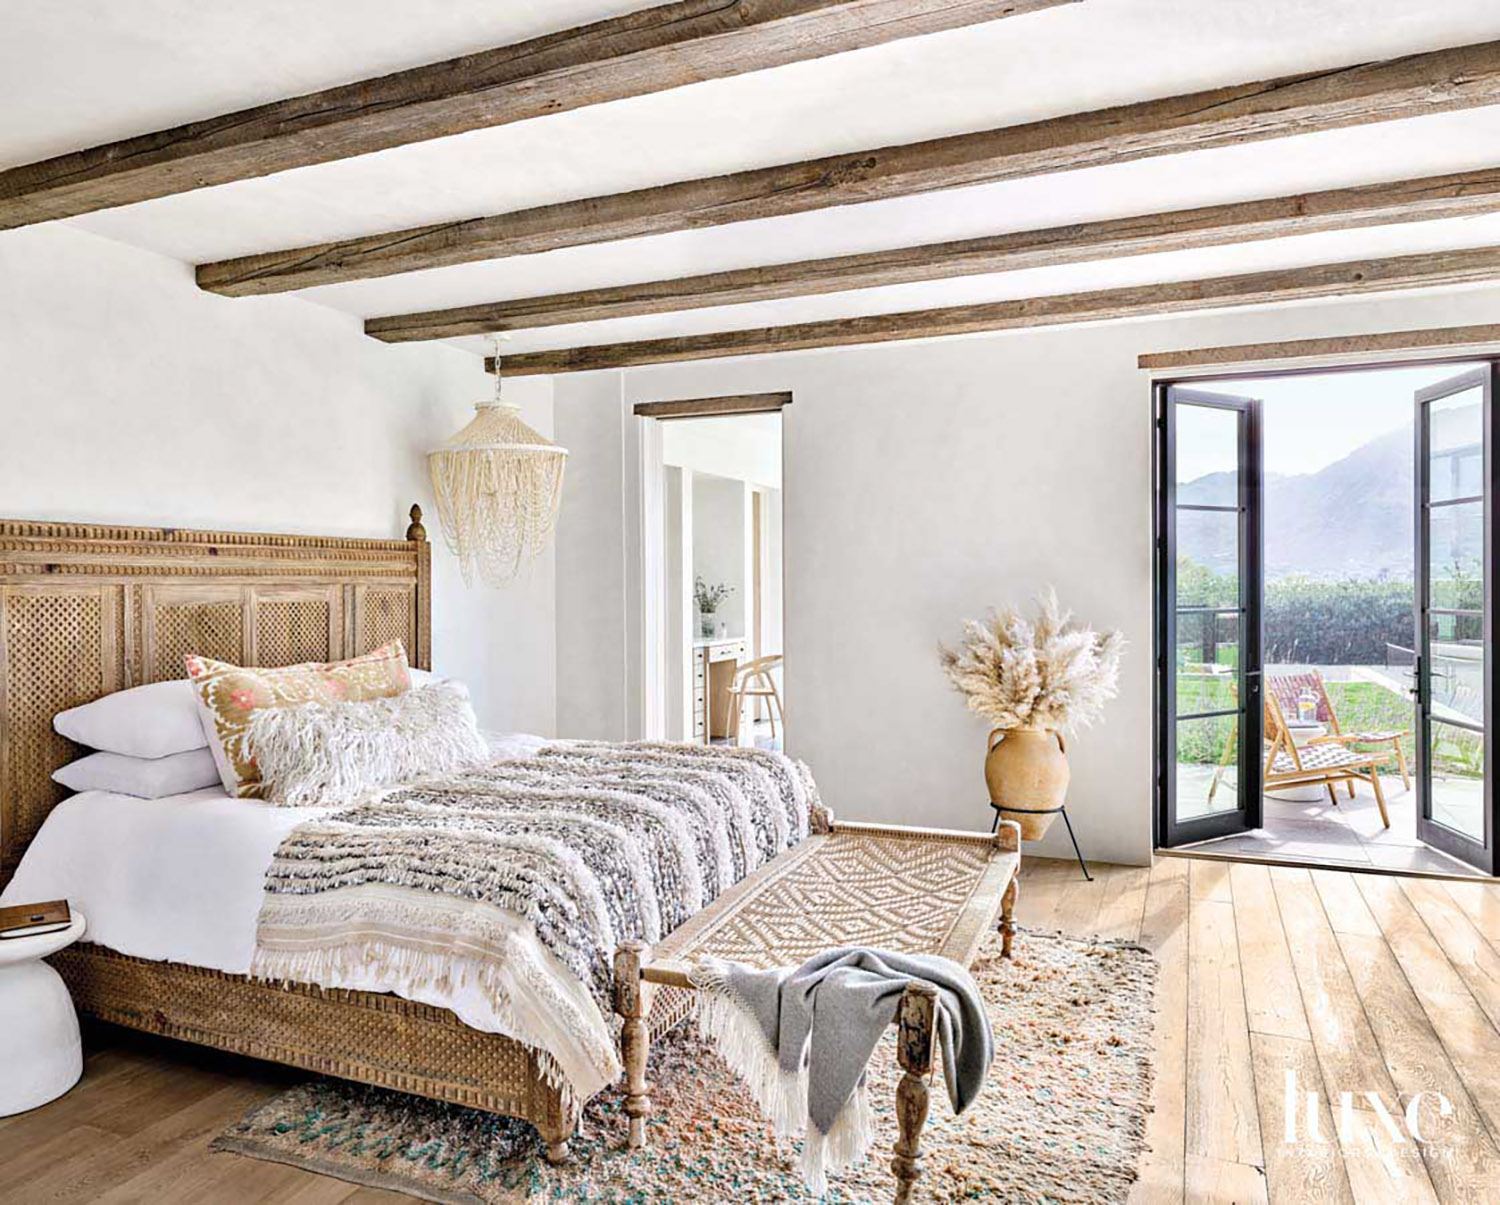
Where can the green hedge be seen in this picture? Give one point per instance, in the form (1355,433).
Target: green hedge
(1310,622)
(1306,622)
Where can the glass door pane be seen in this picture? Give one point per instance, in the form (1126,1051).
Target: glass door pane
(1454,566)
(1208,579)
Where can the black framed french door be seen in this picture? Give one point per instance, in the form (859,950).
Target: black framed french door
(1455,566)
(1208,622)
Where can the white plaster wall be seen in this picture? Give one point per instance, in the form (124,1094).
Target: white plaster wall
(592,639)
(926,482)
(720,521)
(773,638)
(128,395)
(747,446)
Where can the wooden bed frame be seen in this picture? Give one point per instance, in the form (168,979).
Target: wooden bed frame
(86,610)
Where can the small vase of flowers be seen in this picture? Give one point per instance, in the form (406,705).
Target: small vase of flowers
(709,600)
(1033,679)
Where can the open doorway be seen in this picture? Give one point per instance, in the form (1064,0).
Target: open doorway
(720,661)
(1323,616)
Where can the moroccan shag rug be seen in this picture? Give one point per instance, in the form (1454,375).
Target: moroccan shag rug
(1062,1117)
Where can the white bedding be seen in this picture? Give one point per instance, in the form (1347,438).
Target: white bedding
(180,879)
(177,878)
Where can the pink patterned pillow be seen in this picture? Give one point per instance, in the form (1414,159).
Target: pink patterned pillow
(228,695)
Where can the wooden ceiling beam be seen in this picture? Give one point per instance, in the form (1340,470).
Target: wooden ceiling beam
(1355,278)
(1324,347)
(667,46)
(708,407)
(1461,194)
(1436,82)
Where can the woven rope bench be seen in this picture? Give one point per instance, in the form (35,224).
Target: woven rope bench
(921,891)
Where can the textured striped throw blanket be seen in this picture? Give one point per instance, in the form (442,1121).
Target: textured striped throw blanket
(501,892)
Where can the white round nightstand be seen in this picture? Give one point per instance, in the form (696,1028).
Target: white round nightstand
(39,1044)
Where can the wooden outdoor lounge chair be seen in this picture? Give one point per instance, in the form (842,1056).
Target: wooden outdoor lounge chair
(1319,761)
(1287,687)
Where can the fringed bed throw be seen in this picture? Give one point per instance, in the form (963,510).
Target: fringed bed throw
(520,877)
(801,1040)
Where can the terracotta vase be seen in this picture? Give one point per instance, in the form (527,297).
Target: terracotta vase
(1027,768)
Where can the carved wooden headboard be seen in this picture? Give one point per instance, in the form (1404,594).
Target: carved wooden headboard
(86,610)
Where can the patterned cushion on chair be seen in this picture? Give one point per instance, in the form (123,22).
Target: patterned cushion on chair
(1370,738)
(1319,757)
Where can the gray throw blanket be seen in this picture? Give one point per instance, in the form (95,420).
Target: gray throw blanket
(801,1040)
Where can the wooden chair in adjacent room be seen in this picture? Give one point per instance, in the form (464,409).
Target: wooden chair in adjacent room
(754,680)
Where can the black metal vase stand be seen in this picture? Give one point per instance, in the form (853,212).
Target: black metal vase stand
(1057,811)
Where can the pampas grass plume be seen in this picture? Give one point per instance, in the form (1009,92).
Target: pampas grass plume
(1043,672)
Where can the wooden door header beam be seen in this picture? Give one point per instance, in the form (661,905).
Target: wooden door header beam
(1436,338)
(704,407)
(1354,278)
(1461,194)
(667,46)
(1441,81)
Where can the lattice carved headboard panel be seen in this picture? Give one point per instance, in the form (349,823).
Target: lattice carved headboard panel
(86,610)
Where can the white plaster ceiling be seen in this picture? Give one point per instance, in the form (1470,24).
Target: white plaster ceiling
(74,75)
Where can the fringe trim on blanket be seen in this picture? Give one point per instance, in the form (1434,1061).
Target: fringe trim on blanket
(852,1135)
(734,1032)
(781,1095)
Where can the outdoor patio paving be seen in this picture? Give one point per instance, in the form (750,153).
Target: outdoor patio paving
(1347,835)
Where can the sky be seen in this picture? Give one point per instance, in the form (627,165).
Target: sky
(1312,420)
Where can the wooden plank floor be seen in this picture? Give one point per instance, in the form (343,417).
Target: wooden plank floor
(1351,982)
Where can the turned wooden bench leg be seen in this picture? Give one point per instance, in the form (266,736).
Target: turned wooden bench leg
(1007,839)
(635,1036)
(1008,915)
(557,1133)
(917,1029)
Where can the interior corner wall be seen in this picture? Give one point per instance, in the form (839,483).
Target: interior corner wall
(128,395)
(592,637)
(924,483)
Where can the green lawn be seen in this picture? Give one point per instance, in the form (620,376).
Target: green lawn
(1361,706)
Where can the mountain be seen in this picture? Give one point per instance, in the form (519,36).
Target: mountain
(1352,518)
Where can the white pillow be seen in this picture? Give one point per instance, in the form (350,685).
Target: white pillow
(421,677)
(425,677)
(155,720)
(147,777)
(334,752)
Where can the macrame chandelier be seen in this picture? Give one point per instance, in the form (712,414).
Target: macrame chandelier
(498,484)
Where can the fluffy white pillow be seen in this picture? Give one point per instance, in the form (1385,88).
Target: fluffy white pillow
(333,752)
(425,677)
(147,777)
(155,720)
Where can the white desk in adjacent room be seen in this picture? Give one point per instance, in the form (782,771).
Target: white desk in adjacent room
(714,665)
